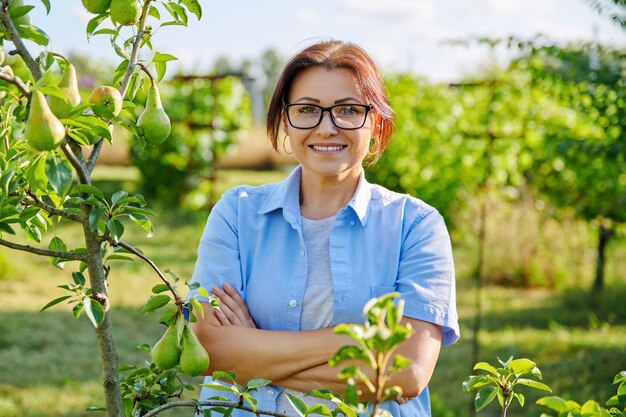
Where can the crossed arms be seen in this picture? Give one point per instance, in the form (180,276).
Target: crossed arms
(298,359)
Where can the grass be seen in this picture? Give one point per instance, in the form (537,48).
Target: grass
(49,363)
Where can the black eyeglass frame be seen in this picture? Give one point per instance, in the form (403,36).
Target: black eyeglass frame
(368,108)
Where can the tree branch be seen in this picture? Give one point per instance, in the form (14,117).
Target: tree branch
(72,256)
(32,200)
(93,156)
(17,81)
(134,55)
(237,405)
(18,43)
(132,61)
(135,252)
(76,162)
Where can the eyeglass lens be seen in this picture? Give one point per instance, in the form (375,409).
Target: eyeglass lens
(344,116)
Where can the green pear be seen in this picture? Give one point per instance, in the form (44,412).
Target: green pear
(153,121)
(106,102)
(97,6)
(194,359)
(69,85)
(125,12)
(166,352)
(44,132)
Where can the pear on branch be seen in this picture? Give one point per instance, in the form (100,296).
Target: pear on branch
(194,359)
(153,122)
(97,6)
(44,132)
(166,352)
(125,12)
(69,85)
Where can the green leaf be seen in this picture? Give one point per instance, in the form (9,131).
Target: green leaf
(522,366)
(77,310)
(59,172)
(557,404)
(36,175)
(57,244)
(55,302)
(194,7)
(94,311)
(118,196)
(53,90)
(95,408)
(298,405)
(159,57)
(46,4)
(169,314)
(520,398)
(79,278)
(197,307)
(257,383)
(533,384)
(105,31)
(161,68)
(34,34)
(95,216)
(154,12)
(484,397)
(476,381)
(319,409)
(400,362)
(159,288)
(156,302)
(224,376)
(620,377)
(484,366)
(94,23)
(116,228)
(88,189)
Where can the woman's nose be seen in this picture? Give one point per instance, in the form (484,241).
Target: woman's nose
(327,126)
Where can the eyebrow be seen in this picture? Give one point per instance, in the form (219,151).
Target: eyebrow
(341,100)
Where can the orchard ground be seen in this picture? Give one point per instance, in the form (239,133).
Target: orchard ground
(49,363)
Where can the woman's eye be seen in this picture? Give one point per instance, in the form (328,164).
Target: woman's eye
(349,111)
(308,110)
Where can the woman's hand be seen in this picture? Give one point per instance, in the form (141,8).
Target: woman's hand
(232,310)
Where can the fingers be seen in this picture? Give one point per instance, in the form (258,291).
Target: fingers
(402,399)
(232,309)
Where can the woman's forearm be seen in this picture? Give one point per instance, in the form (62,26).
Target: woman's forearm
(253,353)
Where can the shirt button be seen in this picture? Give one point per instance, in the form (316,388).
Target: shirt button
(270,392)
(352,223)
(302,253)
(293,303)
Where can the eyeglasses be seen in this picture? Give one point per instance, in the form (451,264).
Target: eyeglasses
(344,116)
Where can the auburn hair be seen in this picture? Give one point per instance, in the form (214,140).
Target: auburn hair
(332,55)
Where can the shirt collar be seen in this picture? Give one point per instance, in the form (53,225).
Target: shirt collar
(361,200)
(287,197)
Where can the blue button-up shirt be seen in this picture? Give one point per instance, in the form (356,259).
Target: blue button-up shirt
(382,242)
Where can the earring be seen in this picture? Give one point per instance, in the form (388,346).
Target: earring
(373,148)
(285,147)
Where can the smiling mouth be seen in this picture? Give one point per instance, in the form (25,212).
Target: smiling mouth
(331,148)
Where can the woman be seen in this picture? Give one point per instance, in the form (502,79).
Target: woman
(298,257)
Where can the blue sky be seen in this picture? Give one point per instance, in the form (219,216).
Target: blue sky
(401,35)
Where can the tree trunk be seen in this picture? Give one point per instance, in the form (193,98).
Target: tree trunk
(104,334)
(604,235)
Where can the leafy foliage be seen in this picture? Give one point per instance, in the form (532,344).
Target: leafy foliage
(209,115)
(503,382)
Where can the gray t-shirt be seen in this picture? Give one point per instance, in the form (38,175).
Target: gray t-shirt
(317,305)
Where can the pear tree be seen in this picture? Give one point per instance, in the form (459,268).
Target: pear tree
(51,142)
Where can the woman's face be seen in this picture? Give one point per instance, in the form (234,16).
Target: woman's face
(326,150)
